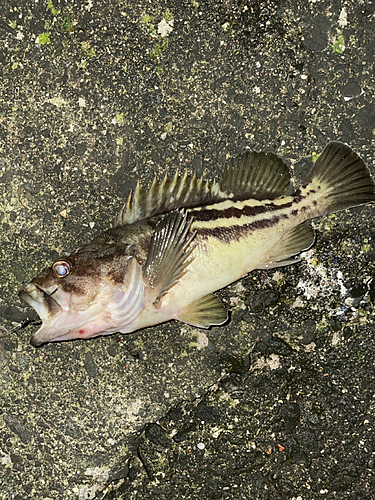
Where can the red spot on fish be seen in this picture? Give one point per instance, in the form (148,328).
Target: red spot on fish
(81,331)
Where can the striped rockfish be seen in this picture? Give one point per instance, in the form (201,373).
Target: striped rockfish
(176,244)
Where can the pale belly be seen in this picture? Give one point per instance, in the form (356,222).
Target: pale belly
(215,266)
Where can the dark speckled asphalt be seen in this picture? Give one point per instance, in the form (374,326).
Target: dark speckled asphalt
(278,403)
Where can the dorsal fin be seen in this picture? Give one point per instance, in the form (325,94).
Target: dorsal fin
(182,192)
(255,175)
(251,175)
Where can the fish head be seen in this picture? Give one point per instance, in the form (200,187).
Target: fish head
(86,294)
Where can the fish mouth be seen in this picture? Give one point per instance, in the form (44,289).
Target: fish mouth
(45,306)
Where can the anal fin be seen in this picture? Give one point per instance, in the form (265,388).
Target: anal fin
(295,241)
(204,312)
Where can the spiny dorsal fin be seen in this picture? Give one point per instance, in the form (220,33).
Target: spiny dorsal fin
(251,175)
(182,192)
(255,175)
(168,255)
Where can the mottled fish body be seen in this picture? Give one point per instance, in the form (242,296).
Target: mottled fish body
(173,246)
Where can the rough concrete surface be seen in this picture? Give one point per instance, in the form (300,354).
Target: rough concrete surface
(277,404)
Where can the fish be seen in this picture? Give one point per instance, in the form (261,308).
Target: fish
(174,245)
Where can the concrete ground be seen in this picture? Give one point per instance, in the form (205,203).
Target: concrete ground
(277,404)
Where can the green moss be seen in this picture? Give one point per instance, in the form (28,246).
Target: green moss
(315,156)
(43,38)
(339,45)
(87,50)
(50,6)
(162,461)
(146,19)
(120,118)
(67,24)
(168,16)
(365,248)
(159,48)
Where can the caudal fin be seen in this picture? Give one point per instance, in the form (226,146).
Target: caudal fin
(341,177)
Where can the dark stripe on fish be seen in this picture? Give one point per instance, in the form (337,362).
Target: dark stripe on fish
(238,231)
(246,211)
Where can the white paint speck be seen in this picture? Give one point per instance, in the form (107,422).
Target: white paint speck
(215,432)
(321,280)
(6,460)
(99,473)
(200,446)
(336,338)
(343,19)
(202,339)
(165,27)
(57,101)
(273,362)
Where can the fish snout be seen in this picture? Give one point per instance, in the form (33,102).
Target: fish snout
(43,303)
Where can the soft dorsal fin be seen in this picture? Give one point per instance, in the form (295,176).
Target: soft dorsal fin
(255,175)
(251,175)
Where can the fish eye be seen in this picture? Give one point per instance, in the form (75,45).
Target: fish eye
(61,268)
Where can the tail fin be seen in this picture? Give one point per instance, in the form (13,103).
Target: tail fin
(342,177)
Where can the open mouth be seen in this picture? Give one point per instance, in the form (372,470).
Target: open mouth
(43,303)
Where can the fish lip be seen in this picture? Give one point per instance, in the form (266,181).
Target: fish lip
(45,306)
(34,342)
(42,298)
(25,296)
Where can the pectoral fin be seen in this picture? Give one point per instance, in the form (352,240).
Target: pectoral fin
(207,311)
(169,252)
(293,242)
